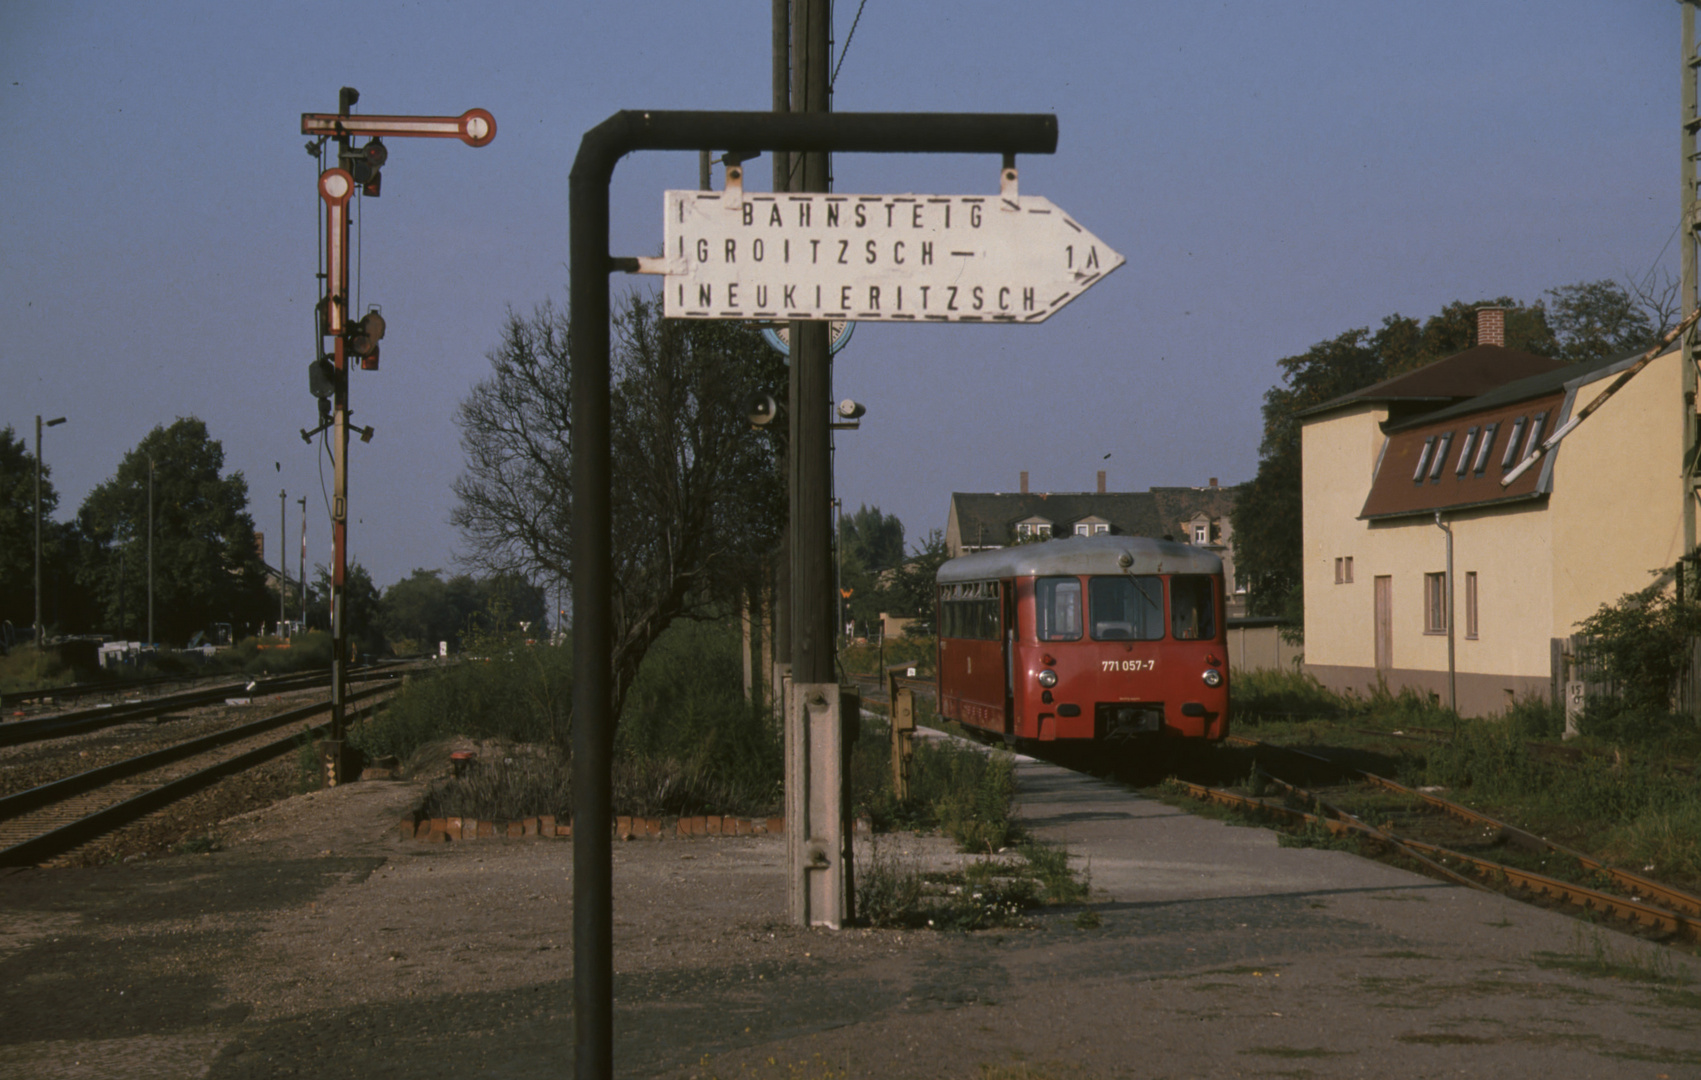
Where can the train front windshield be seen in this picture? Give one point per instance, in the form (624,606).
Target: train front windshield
(1123,607)
(1127,608)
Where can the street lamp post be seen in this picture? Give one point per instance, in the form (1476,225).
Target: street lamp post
(150,549)
(36,630)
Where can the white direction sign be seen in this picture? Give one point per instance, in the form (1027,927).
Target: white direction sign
(874,258)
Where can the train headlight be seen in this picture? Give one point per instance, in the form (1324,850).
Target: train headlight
(1213,678)
(1047,678)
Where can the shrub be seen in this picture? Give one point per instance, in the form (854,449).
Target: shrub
(1641,644)
(1271,692)
(505,691)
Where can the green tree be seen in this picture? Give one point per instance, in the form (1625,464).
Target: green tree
(417,609)
(913,591)
(697,497)
(1595,320)
(362,606)
(871,545)
(206,568)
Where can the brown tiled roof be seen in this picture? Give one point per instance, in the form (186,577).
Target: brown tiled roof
(1395,492)
(1454,378)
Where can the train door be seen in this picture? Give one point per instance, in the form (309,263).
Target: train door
(1008,598)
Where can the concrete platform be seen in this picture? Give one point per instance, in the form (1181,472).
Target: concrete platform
(333,949)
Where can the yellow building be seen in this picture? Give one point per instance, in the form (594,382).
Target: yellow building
(1600,516)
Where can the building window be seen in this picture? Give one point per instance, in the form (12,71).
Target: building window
(1201,533)
(1512,444)
(1081,529)
(1535,438)
(1470,603)
(1440,456)
(1465,452)
(1487,445)
(1027,530)
(1101,529)
(1423,460)
(1344,570)
(1435,603)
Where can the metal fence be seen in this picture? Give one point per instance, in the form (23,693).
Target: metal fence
(1577,680)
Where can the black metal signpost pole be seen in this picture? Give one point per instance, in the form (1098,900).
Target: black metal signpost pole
(593,563)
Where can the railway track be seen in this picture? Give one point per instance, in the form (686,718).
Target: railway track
(77,721)
(57,817)
(1588,883)
(1578,880)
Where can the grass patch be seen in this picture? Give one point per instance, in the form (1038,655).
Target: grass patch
(687,743)
(203,844)
(988,893)
(1594,956)
(1296,1052)
(1444,1038)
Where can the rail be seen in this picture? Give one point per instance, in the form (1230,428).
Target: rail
(67,835)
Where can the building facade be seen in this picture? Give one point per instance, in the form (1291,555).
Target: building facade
(981,521)
(1388,475)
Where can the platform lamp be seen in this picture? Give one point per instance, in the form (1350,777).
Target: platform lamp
(38,426)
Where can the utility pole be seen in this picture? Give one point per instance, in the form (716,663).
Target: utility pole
(303,567)
(150,549)
(779,667)
(817,834)
(283,564)
(355,337)
(1689,208)
(36,630)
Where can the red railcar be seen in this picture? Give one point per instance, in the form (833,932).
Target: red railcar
(1103,639)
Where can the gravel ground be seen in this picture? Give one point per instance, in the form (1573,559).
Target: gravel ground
(318,944)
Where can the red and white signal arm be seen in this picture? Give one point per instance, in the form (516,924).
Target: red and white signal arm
(475,127)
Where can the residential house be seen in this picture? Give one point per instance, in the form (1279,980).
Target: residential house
(1386,467)
(979,521)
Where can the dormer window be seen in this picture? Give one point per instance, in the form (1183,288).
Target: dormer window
(1488,434)
(1423,459)
(1201,533)
(1535,438)
(1440,456)
(1465,452)
(1512,444)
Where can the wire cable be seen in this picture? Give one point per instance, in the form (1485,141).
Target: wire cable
(835,78)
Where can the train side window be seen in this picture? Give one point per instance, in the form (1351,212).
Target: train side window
(1192,606)
(1057,608)
(1127,608)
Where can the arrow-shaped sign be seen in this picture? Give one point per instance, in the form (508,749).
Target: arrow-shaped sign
(885,258)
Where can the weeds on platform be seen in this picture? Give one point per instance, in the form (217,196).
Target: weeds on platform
(961,790)
(1593,954)
(998,890)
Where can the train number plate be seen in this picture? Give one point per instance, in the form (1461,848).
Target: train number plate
(1128,665)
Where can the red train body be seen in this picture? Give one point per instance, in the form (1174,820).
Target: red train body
(1104,639)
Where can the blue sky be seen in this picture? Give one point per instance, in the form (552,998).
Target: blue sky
(1274,174)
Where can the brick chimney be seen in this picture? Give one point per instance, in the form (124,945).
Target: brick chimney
(1213,481)
(1024,481)
(1101,481)
(1491,326)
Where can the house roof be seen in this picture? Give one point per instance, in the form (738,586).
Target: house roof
(1527,409)
(1459,377)
(988,518)
(1083,555)
(1532,386)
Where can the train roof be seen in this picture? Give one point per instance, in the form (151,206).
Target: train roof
(1082,555)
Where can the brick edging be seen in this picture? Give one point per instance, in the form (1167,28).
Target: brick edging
(444,829)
